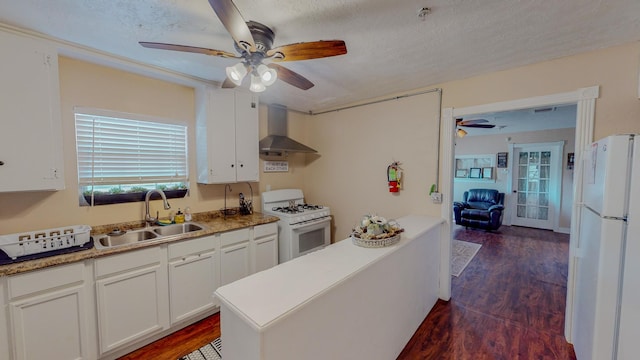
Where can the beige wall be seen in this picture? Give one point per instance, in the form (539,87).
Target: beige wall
(354,146)
(615,69)
(492,144)
(349,174)
(358,144)
(88,85)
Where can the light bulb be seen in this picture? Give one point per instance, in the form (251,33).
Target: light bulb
(256,84)
(267,75)
(236,73)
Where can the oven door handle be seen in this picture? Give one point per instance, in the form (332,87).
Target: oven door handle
(313,222)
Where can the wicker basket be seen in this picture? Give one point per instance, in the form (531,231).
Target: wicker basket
(375,243)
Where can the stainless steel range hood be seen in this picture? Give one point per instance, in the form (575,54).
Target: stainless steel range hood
(277,142)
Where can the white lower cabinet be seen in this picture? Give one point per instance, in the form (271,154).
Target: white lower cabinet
(4,326)
(48,315)
(193,277)
(265,247)
(55,313)
(132,296)
(234,256)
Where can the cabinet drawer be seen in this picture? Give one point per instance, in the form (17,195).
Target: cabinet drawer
(45,279)
(234,237)
(265,230)
(127,261)
(193,246)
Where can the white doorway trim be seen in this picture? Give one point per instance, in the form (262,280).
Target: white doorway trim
(585,98)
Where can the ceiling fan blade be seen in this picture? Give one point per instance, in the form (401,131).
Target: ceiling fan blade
(234,23)
(185,48)
(471,122)
(308,50)
(291,78)
(228,84)
(483,126)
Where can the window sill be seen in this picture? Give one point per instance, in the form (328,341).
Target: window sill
(108,199)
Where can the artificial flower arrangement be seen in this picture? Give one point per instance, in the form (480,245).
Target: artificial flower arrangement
(374,227)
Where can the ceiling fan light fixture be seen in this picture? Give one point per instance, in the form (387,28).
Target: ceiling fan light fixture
(461,133)
(267,75)
(236,73)
(256,84)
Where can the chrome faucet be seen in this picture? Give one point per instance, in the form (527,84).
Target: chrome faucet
(147,217)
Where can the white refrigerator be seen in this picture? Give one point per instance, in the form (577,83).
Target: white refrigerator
(606,312)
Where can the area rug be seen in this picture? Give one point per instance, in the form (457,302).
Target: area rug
(462,253)
(211,351)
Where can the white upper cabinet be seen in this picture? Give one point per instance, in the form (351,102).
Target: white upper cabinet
(226,136)
(31,155)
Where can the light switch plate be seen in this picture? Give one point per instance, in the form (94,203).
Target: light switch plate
(436,197)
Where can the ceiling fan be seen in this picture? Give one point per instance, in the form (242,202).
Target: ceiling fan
(253,42)
(477,123)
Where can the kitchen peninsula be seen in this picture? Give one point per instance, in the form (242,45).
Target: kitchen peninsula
(341,302)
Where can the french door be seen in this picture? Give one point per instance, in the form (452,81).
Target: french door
(536,186)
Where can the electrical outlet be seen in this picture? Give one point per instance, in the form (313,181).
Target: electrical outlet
(436,197)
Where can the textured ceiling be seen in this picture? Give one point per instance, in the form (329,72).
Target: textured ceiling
(390,49)
(516,121)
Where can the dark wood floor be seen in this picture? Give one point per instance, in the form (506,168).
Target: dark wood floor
(507,304)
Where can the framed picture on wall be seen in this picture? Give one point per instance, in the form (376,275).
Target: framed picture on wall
(475,173)
(502,159)
(487,173)
(462,173)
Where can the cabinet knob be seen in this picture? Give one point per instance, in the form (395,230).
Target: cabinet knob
(241,165)
(232,165)
(1,163)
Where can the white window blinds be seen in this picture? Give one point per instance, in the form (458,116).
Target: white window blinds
(117,150)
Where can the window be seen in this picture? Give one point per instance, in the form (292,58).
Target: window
(120,154)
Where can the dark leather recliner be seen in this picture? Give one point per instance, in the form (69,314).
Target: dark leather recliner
(481,208)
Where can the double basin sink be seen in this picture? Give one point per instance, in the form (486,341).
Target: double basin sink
(141,235)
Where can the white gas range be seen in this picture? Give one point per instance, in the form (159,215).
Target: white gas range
(302,228)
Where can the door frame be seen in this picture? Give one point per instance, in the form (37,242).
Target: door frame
(555,189)
(585,98)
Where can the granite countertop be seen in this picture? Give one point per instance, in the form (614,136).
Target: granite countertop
(213,222)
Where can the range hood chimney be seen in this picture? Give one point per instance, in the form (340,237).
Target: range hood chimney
(277,141)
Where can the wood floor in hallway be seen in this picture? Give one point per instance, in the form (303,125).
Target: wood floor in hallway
(507,304)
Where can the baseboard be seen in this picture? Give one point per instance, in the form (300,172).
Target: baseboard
(564,230)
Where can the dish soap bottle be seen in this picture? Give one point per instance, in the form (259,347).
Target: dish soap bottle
(187,214)
(179,217)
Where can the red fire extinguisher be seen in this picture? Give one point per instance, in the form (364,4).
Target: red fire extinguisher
(394,177)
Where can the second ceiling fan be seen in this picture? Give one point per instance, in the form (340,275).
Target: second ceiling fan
(254,43)
(477,123)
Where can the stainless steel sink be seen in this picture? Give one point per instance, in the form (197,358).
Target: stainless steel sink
(177,229)
(128,237)
(134,236)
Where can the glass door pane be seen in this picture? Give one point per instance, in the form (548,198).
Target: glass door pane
(533,185)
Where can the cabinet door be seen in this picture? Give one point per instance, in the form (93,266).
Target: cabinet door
(221,136)
(265,253)
(50,326)
(31,137)
(48,313)
(131,306)
(247,137)
(4,325)
(192,281)
(234,256)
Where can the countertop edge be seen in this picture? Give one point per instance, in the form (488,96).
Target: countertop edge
(213,226)
(416,226)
